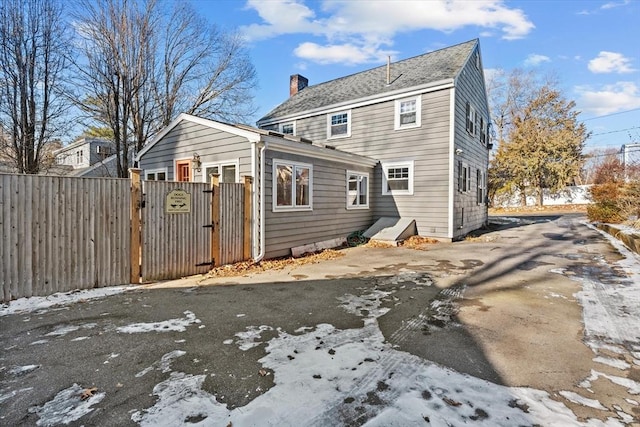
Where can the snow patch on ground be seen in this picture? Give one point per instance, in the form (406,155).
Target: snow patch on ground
(164,364)
(327,376)
(250,338)
(13,393)
(614,363)
(66,407)
(171,325)
(28,305)
(22,370)
(576,398)
(63,330)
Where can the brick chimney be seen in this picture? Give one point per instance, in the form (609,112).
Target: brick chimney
(297,83)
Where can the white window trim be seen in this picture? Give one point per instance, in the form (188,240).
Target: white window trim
(397,164)
(418,123)
(156,171)
(274,185)
(464,178)
(329,115)
(220,164)
(281,126)
(366,205)
(471,119)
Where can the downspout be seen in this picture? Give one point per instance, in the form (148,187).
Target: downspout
(260,255)
(254,207)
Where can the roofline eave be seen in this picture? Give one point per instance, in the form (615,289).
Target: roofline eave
(359,102)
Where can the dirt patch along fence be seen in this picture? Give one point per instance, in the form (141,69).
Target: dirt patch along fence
(62,233)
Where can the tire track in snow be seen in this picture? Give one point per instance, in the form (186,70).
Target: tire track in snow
(439,312)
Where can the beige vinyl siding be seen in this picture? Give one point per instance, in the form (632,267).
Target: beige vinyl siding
(188,138)
(373,135)
(329,218)
(470,87)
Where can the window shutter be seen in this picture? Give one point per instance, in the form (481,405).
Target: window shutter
(467,116)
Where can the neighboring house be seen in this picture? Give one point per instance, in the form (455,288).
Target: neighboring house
(426,119)
(302,193)
(84,153)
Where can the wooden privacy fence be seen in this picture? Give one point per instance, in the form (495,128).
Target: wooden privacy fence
(61,233)
(66,233)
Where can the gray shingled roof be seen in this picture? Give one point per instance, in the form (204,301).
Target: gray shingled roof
(420,70)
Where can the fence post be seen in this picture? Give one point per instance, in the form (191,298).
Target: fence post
(246,249)
(136,196)
(215,219)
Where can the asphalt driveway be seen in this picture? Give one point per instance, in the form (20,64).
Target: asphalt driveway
(488,330)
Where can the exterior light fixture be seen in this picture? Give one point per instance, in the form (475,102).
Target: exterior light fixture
(196,163)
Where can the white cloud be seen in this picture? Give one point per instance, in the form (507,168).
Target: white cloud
(348,54)
(610,62)
(534,59)
(282,17)
(613,4)
(620,96)
(366,29)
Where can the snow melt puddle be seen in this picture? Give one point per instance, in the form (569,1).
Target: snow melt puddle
(171,325)
(66,407)
(327,376)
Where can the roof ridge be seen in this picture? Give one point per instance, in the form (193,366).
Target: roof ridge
(396,62)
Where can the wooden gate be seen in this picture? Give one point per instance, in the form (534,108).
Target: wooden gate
(187,228)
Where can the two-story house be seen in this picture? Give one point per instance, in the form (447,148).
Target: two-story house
(407,140)
(426,119)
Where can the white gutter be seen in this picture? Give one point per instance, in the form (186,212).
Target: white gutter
(261,224)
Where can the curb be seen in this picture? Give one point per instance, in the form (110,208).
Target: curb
(631,240)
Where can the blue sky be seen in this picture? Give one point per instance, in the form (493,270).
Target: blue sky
(593,47)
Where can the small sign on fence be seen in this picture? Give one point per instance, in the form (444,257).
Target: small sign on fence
(178,201)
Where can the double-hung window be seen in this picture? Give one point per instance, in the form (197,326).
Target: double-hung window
(288,128)
(357,190)
(227,171)
(480,177)
(156,174)
(464,177)
(408,113)
(292,185)
(471,119)
(397,177)
(339,124)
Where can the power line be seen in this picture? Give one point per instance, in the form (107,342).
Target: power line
(615,131)
(611,114)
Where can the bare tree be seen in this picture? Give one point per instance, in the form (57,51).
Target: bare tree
(143,65)
(33,51)
(509,94)
(114,41)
